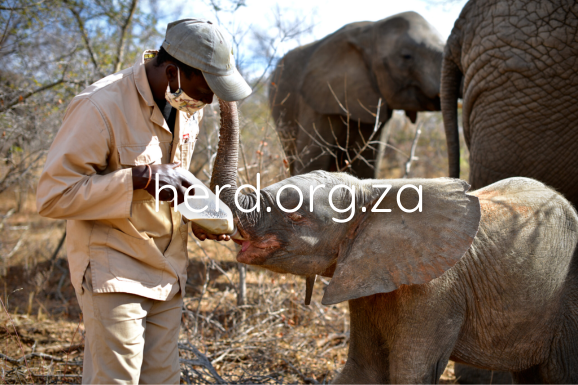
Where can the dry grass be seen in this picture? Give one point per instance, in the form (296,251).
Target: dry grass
(272,339)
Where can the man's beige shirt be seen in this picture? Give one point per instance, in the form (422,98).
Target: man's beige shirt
(110,127)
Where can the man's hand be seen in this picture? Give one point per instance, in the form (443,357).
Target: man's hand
(202,234)
(168,175)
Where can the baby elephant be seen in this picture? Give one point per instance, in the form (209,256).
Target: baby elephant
(487,278)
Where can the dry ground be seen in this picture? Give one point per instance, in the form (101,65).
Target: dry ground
(274,338)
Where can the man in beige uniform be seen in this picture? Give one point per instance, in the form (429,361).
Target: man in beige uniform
(127,261)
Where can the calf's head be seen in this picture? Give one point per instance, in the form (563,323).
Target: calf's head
(336,225)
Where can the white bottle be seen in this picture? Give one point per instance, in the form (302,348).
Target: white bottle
(206,210)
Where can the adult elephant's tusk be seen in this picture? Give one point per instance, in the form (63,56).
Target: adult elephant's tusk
(309,282)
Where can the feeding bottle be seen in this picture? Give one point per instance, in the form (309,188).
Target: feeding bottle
(206,210)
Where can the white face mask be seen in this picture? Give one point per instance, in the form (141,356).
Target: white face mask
(182,101)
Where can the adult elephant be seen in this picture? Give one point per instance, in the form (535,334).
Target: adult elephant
(397,60)
(488,278)
(517,63)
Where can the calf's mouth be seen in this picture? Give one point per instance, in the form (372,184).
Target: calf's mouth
(256,252)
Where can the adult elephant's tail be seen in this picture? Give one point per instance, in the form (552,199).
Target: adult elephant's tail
(450,92)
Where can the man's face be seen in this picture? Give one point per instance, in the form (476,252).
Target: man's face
(196,87)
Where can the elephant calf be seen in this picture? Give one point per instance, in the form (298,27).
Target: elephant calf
(487,278)
(510,302)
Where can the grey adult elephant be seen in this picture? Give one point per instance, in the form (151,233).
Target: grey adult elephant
(517,61)
(488,278)
(397,60)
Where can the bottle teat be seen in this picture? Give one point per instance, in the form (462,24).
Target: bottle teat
(236,234)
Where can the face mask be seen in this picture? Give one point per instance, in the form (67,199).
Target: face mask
(182,101)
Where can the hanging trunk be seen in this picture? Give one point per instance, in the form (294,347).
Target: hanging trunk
(225,167)
(225,172)
(450,90)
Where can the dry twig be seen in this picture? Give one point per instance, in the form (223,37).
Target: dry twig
(412,156)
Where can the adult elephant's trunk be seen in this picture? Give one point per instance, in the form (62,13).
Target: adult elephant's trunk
(450,91)
(225,167)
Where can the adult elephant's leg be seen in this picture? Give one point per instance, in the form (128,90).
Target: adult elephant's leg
(316,141)
(523,121)
(287,132)
(360,134)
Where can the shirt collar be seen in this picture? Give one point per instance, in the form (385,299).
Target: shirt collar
(140,77)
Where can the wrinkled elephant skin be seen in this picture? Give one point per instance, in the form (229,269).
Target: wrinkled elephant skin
(516,61)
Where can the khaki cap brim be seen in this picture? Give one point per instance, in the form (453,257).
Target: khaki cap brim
(229,88)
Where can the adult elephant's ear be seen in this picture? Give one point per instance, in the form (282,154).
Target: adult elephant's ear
(389,249)
(341,63)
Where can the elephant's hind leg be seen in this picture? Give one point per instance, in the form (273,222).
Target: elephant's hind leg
(529,376)
(561,366)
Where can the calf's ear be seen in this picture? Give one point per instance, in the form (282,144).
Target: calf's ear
(389,249)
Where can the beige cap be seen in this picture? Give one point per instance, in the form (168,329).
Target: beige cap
(202,44)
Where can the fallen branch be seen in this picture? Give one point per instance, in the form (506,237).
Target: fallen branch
(60,348)
(57,375)
(16,333)
(16,247)
(201,361)
(25,358)
(306,380)
(5,217)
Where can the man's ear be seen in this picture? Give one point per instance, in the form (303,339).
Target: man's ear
(171,72)
(396,248)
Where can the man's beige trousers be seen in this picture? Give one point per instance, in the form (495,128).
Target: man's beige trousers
(129,339)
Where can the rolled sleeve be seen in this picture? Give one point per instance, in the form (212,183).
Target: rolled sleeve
(75,183)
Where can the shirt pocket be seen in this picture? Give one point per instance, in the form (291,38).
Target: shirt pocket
(134,259)
(115,255)
(137,155)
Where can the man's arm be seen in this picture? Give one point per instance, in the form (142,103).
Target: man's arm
(70,186)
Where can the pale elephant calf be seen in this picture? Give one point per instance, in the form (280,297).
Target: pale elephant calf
(488,278)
